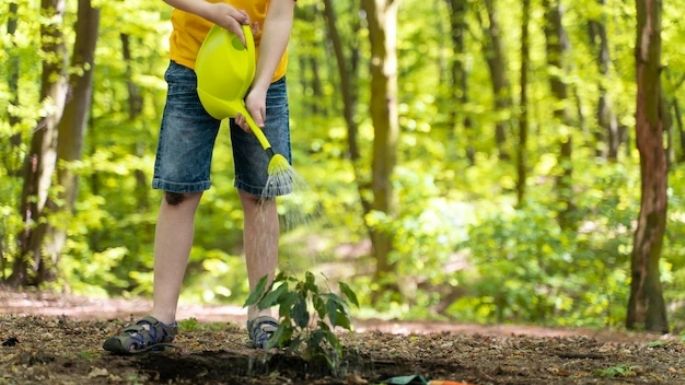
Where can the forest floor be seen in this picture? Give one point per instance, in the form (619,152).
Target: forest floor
(56,339)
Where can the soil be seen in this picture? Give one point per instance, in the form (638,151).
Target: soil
(57,349)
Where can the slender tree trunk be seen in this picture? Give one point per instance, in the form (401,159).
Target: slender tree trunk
(646,306)
(13,73)
(12,160)
(71,132)
(382,21)
(667,122)
(135,108)
(39,164)
(443,42)
(681,131)
(557,46)
(521,163)
(317,88)
(347,72)
(497,64)
(347,80)
(605,114)
(459,81)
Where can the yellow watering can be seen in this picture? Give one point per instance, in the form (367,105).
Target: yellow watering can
(225,70)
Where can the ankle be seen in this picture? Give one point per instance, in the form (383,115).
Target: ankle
(165,318)
(253,312)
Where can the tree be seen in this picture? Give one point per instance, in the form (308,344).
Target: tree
(497,64)
(459,80)
(605,114)
(72,127)
(381,16)
(557,47)
(646,304)
(521,154)
(13,161)
(39,164)
(347,72)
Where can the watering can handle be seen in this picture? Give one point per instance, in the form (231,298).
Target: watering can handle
(256,130)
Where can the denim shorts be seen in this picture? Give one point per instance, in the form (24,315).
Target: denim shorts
(188,133)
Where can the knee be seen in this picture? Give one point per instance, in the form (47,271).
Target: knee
(250,200)
(174,198)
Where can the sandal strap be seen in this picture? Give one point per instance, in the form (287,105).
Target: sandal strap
(146,332)
(261,329)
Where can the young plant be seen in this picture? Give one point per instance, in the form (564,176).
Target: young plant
(299,303)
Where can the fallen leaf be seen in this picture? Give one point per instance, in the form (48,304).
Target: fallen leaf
(98,372)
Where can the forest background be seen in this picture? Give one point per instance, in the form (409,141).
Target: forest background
(466,160)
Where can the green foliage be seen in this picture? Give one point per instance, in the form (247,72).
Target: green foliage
(308,316)
(621,370)
(188,324)
(456,227)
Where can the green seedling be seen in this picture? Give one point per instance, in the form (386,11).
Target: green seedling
(621,370)
(308,316)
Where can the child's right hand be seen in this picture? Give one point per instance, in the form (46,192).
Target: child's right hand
(227,17)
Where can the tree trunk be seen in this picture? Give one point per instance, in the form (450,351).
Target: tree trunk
(521,162)
(39,164)
(667,122)
(347,72)
(459,81)
(317,88)
(382,22)
(605,114)
(135,108)
(71,130)
(646,306)
(557,47)
(497,64)
(681,131)
(13,160)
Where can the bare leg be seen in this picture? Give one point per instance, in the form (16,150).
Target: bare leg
(173,240)
(260,239)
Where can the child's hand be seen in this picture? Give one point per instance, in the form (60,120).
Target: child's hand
(256,106)
(227,17)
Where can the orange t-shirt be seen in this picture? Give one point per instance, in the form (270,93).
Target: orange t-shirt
(190,30)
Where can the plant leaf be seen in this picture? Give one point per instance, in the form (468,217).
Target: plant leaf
(345,289)
(299,312)
(257,293)
(286,302)
(319,306)
(281,337)
(331,310)
(343,319)
(272,298)
(310,282)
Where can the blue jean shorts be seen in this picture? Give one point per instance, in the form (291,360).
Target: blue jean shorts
(188,133)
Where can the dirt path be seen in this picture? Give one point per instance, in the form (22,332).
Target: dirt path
(45,348)
(84,308)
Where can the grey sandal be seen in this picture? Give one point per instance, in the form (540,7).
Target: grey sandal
(261,329)
(144,335)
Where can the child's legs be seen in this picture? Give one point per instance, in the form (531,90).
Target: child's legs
(182,171)
(261,230)
(173,240)
(260,240)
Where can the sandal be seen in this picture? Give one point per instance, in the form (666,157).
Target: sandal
(261,329)
(145,335)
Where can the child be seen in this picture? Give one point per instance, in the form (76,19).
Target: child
(184,152)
